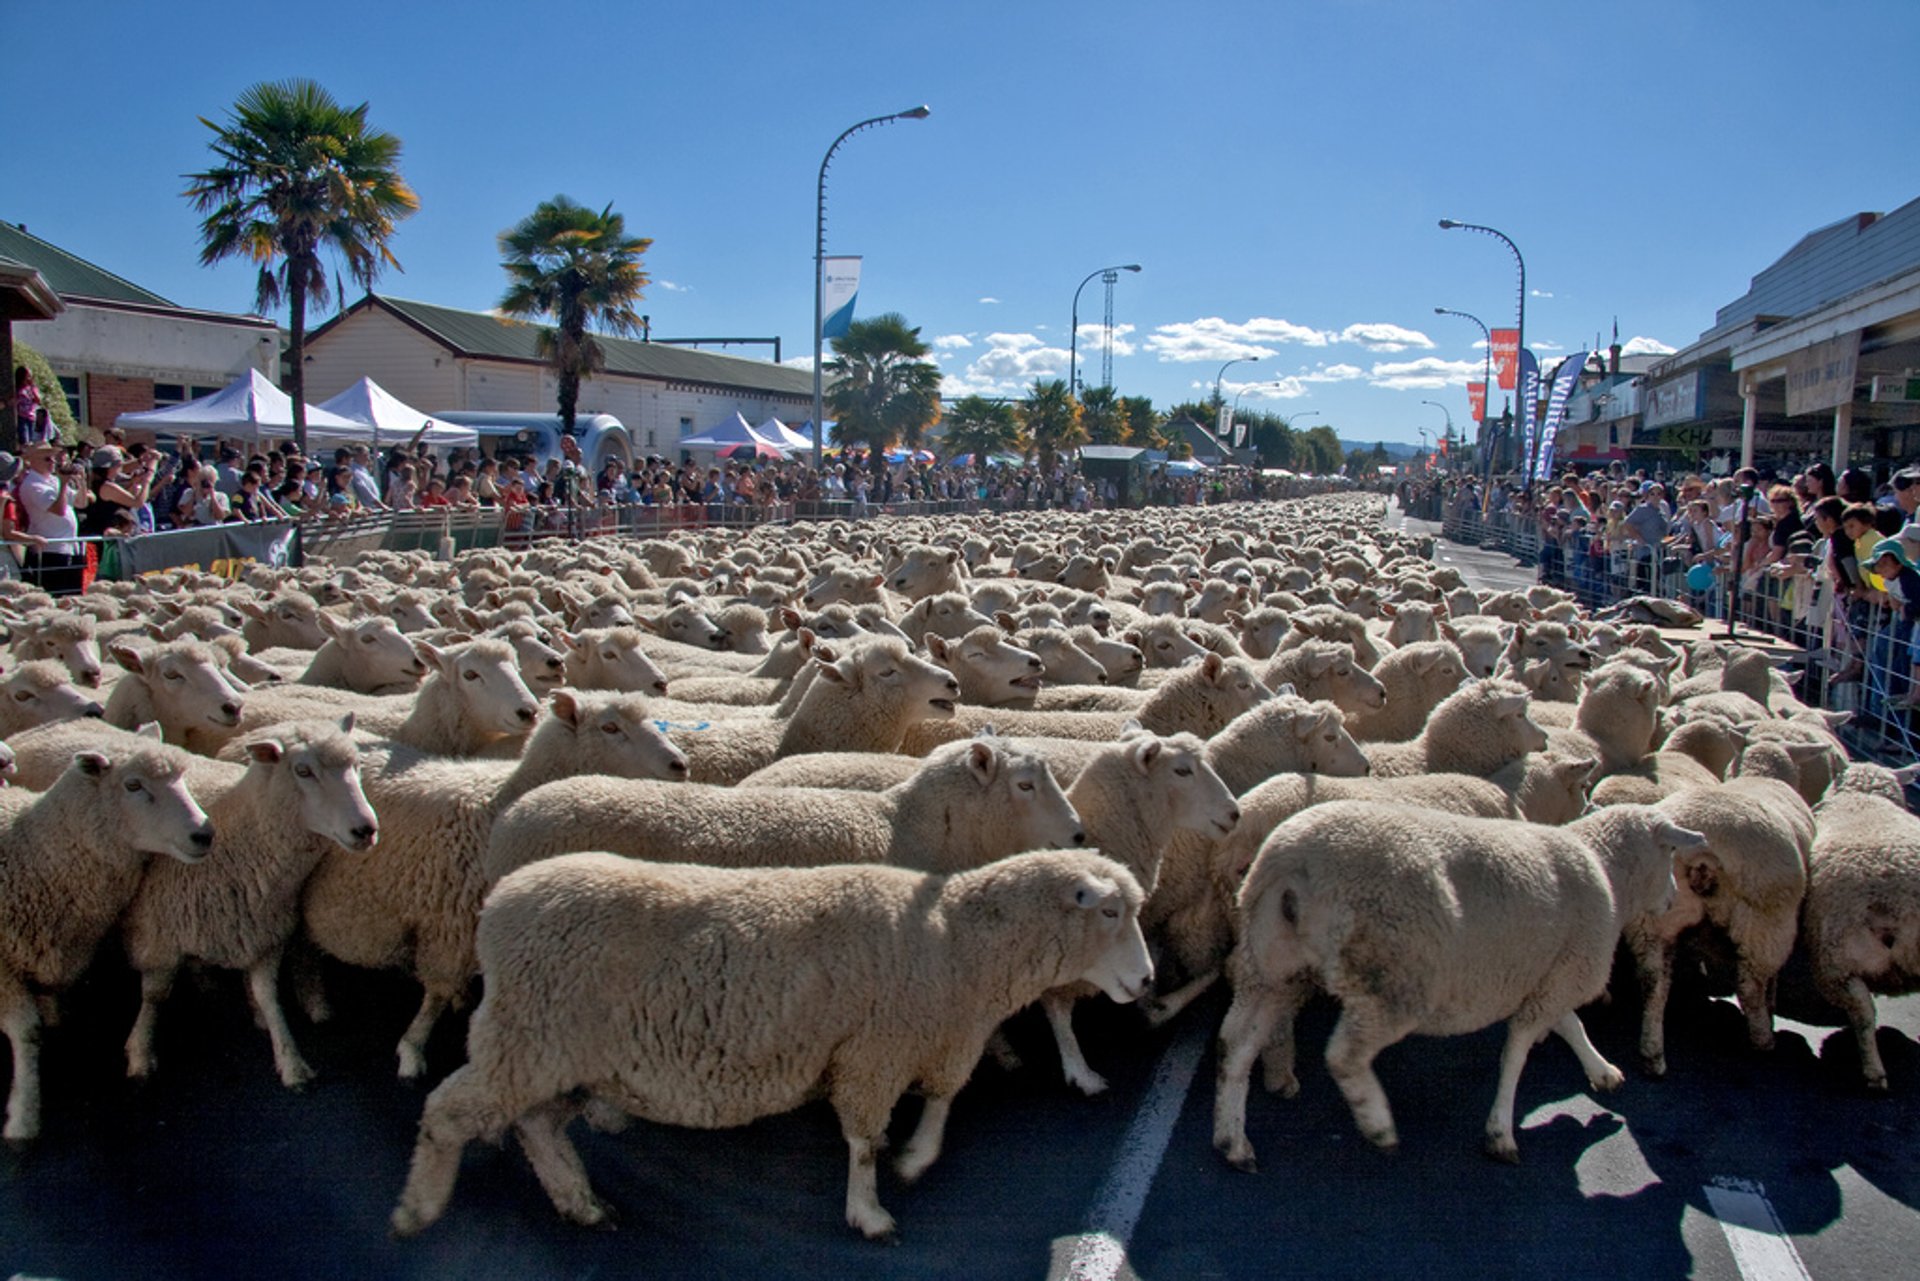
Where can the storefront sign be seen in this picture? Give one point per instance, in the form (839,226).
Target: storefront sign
(1676,400)
(1822,376)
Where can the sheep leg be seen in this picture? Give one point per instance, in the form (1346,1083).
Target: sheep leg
(461,1108)
(1520,1041)
(1858,1003)
(1276,1060)
(20,1020)
(1059,1008)
(1363,1031)
(864,1211)
(923,1149)
(1601,1075)
(1752,989)
(1248,1026)
(1653,960)
(155,986)
(413,1042)
(263,985)
(1161,1009)
(556,1163)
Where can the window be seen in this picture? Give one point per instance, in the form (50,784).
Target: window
(75,391)
(178,393)
(686,426)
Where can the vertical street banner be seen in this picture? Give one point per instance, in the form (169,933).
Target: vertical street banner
(1527,407)
(1477,401)
(1506,356)
(839,286)
(1563,385)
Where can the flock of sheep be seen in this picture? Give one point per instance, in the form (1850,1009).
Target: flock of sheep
(721,824)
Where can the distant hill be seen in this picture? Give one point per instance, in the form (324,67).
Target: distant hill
(1395,450)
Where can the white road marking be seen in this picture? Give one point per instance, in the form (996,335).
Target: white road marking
(1761,1248)
(1100,1253)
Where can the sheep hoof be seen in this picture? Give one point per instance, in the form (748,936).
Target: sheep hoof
(592,1213)
(1239,1154)
(1655,1065)
(1387,1140)
(1878,1084)
(1763,1043)
(1501,1147)
(1284,1084)
(405,1223)
(880,1228)
(413,1064)
(1089,1083)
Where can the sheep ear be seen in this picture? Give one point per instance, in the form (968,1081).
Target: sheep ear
(1145,753)
(1906,774)
(150,729)
(1132,637)
(1802,753)
(1578,767)
(566,707)
(651,624)
(1007,622)
(790,618)
(937,647)
(953,558)
(1836,719)
(251,610)
(1211,665)
(1682,840)
(1090,894)
(1300,625)
(983,761)
(92,764)
(840,671)
(329,623)
(433,656)
(1425,661)
(346,723)
(265,751)
(1510,705)
(128,657)
(567,639)
(1131,728)
(154,632)
(1389,609)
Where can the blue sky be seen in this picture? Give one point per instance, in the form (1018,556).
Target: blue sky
(1277,168)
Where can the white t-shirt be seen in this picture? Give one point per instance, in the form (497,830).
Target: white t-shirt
(37,496)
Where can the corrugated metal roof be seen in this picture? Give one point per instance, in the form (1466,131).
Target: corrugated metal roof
(71,276)
(474,333)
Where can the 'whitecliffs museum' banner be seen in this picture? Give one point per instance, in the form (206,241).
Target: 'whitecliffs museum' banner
(1563,384)
(839,285)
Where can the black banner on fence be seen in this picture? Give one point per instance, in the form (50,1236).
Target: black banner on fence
(216,549)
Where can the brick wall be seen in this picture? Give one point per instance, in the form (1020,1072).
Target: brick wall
(109,397)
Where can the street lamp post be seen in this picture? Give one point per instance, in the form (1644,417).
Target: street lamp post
(1448,224)
(1073,339)
(1486,435)
(1237,360)
(1449,413)
(820,252)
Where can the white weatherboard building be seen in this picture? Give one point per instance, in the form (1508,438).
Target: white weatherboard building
(440,359)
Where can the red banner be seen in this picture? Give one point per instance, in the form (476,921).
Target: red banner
(1477,401)
(1506,356)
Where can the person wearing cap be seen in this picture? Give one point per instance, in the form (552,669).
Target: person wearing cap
(47,491)
(114,494)
(12,518)
(1901,588)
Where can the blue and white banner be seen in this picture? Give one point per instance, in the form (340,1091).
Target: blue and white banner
(839,285)
(1563,385)
(1525,407)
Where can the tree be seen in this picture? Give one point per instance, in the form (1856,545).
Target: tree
(982,427)
(1052,418)
(885,391)
(581,268)
(298,175)
(1320,451)
(1143,424)
(1103,416)
(1274,440)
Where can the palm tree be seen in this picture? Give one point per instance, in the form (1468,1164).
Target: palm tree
(581,268)
(1143,423)
(298,174)
(884,391)
(982,427)
(1052,418)
(1103,416)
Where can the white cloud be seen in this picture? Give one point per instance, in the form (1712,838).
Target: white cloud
(950,342)
(1538,293)
(674,288)
(1211,338)
(991,302)
(1541,344)
(1251,393)
(1092,333)
(1639,345)
(1334,374)
(1429,373)
(798,362)
(1383,337)
(1008,367)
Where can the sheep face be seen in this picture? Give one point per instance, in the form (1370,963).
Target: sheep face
(1260,630)
(485,679)
(990,668)
(316,773)
(1020,791)
(376,652)
(291,621)
(607,611)
(1480,646)
(542,667)
(141,796)
(611,658)
(1065,662)
(1123,662)
(408,610)
(1197,800)
(843,586)
(1164,643)
(927,571)
(1101,910)
(1089,611)
(38,693)
(615,735)
(687,624)
(1327,746)
(948,614)
(1516,731)
(884,668)
(186,683)
(67,639)
(1164,599)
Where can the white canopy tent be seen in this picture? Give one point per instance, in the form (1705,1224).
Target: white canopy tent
(734,431)
(248,408)
(391,420)
(784,436)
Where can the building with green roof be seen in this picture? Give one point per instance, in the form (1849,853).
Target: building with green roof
(119,348)
(444,360)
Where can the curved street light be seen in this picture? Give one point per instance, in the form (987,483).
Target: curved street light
(1223,373)
(1520,345)
(1073,340)
(1487,387)
(820,250)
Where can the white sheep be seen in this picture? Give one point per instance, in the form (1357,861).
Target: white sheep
(368,656)
(414,905)
(40,693)
(611,658)
(1478,730)
(857,982)
(73,859)
(66,638)
(181,684)
(1418,921)
(1415,679)
(238,908)
(967,804)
